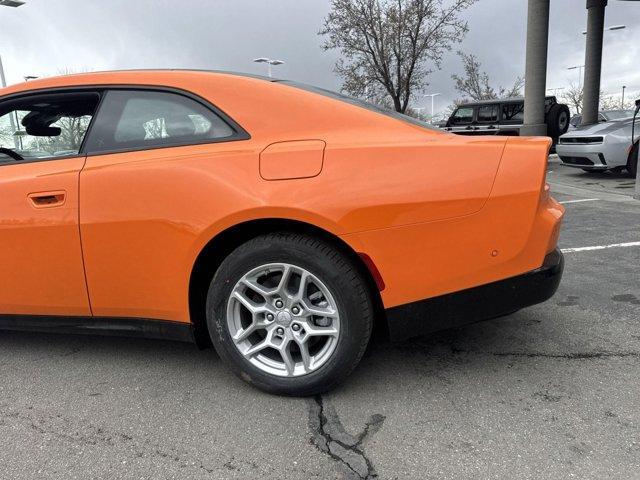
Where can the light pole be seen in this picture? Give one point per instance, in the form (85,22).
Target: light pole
(12,121)
(10,3)
(624,87)
(579,67)
(615,27)
(432,95)
(269,63)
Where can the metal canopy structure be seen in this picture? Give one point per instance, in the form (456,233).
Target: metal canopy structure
(536,66)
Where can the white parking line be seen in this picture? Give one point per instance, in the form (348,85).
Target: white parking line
(581,200)
(601,247)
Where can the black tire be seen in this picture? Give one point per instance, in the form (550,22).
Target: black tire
(340,276)
(632,163)
(558,120)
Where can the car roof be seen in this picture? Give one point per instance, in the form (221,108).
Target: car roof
(238,94)
(136,76)
(497,100)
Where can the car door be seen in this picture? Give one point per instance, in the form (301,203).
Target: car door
(41,266)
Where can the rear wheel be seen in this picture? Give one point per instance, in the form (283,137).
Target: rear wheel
(632,163)
(558,120)
(289,314)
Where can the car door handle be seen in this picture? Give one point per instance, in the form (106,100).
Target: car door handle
(48,199)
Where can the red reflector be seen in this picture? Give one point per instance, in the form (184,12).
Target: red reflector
(373,270)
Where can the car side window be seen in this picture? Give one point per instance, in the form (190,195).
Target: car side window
(513,112)
(462,116)
(45,126)
(140,119)
(488,114)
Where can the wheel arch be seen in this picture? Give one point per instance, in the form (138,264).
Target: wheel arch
(223,243)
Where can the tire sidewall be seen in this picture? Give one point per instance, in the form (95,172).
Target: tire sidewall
(353,325)
(553,120)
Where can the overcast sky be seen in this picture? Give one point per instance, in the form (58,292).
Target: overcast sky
(45,37)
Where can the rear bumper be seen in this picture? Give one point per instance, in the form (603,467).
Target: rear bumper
(476,304)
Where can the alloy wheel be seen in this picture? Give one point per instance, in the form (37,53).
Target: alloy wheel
(283,319)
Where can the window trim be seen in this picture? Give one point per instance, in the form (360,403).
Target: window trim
(505,121)
(493,106)
(54,91)
(239,132)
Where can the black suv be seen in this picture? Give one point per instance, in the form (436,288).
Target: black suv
(505,117)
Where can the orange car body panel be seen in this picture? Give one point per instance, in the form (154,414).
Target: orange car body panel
(41,257)
(434,212)
(292,160)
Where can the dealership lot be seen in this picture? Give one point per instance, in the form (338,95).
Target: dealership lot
(549,392)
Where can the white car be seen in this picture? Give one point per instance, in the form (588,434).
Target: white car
(603,116)
(600,147)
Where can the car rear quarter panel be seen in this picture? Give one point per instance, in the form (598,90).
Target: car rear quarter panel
(510,235)
(145,216)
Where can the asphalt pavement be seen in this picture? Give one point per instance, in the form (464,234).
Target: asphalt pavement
(550,392)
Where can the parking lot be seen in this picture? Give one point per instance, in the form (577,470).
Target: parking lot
(549,392)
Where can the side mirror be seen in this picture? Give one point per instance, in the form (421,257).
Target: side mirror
(638,103)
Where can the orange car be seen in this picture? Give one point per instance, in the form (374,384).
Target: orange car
(274,220)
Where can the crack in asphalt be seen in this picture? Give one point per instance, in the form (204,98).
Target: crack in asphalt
(330,437)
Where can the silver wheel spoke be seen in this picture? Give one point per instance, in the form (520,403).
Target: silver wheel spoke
(258,347)
(259,289)
(304,354)
(248,304)
(289,364)
(302,288)
(243,334)
(284,281)
(315,331)
(319,311)
(254,327)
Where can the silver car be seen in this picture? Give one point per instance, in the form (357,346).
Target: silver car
(600,147)
(603,116)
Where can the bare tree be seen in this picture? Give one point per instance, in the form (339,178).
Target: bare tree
(614,102)
(391,46)
(573,96)
(6,132)
(474,84)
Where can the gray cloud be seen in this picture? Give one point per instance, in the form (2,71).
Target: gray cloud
(45,37)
